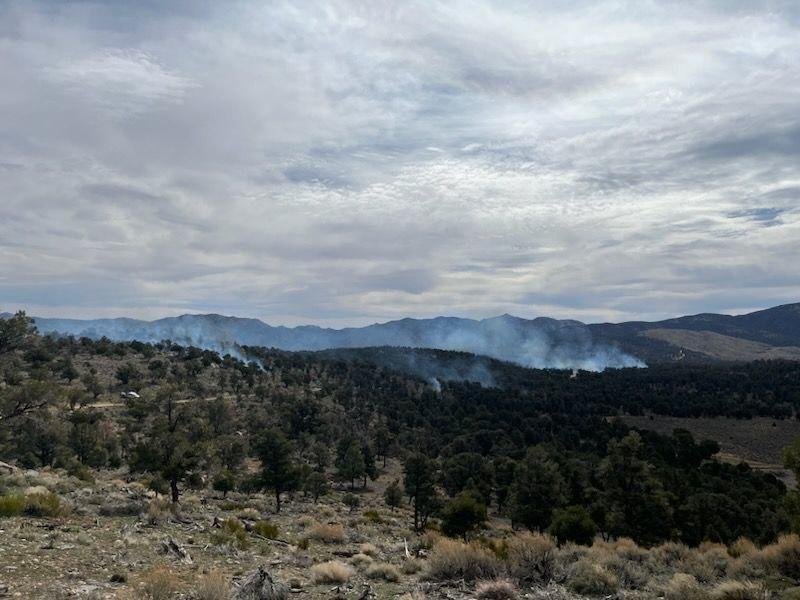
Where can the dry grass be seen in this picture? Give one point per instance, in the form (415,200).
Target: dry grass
(329,533)
(782,557)
(368,549)
(451,559)
(739,590)
(213,586)
(331,572)
(411,566)
(159,583)
(383,571)
(496,589)
(683,586)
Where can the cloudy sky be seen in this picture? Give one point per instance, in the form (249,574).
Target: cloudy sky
(350,162)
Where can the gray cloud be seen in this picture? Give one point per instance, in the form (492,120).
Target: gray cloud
(368,161)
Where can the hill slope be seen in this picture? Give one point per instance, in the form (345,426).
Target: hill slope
(540,342)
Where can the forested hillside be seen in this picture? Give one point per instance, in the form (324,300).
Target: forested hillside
(536,448)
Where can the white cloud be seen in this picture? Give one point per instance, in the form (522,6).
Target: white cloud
(373,160)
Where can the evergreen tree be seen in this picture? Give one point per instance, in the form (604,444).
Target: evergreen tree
(350,464)
(419,477)
(537,490)
(278,471)
(635,501)
(393,495)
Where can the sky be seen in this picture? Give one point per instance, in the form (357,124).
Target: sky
(343,163)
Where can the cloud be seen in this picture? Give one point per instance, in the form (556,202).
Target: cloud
(369,161)
(124,82)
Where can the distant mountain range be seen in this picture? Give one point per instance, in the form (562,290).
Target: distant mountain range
(540,342)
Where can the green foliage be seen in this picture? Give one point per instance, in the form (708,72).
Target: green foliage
(468,470)
(637,506)
(224,482)
(350,462)
(462,515)
(15,331)
(316,485)
(44,504)
(12,505)
(373,516)
(537,490)
(351,501)
(266,529)
(278,471)
(232,533)
(573,524)
(419,477)
(393,495)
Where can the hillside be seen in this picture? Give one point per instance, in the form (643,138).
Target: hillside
(539,343)
(129,468)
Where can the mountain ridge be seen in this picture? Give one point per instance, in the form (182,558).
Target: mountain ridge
(538,342)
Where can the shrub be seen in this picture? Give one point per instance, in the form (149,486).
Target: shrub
(683,586)
(457,560)
(411,566)
(742,547)
(12,505)
(782,557)
(230,533)
(351,501)
(532,558)
(383,571)
(158,511)
(213,586)
(44,504)
(331,572)
(372,516)
(330,533)
(496,589)
(120,509)
(266,529)
(739,590)
(368,549)
(630,574)
(591,580)
(159,583)
(361,560)
(463,514)
(573,524)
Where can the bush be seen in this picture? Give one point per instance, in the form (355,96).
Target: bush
(456,560)
(532,558)
(213,586)
(591,580)
(44,504)
(330,533)
(230,533)
(496,589)
(782,557)
(462,515)
(383,571)
(331,572)
(121,509)
(372,516)
(739,590)
(368,549)
(361,560)
(159,583)
(266,529)
(573,524)
(12,505)
(411,566)
(683,586)
(158,511)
